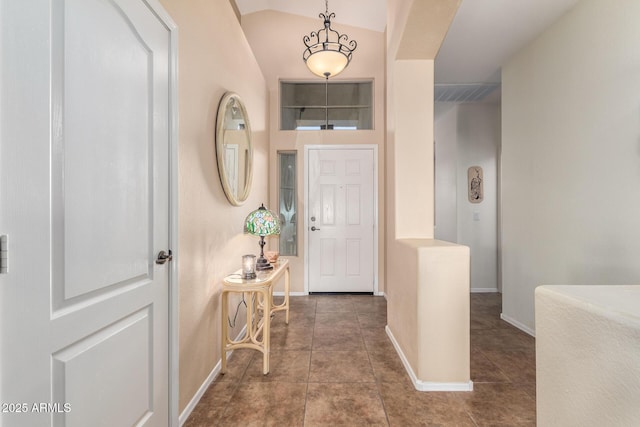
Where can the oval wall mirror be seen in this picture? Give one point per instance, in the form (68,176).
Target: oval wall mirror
(233,148)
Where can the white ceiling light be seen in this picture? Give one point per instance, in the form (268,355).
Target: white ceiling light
(328,52)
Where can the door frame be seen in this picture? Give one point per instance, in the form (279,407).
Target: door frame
(43,122)
(372,147)
(174,288)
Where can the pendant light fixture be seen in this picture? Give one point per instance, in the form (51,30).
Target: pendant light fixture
(328,52)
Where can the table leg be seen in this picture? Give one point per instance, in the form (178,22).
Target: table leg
(287,284)
(252,314)
(266,331)
(225,331)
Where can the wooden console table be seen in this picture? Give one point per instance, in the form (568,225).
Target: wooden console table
(258,294)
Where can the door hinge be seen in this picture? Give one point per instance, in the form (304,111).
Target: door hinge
(4,254)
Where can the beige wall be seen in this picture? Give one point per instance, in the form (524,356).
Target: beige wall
(423,275)
(414,185)
(443,315)
(213,57)
(285,31)
(428,291)
(570,156)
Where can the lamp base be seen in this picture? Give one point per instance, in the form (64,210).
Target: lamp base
(262,264)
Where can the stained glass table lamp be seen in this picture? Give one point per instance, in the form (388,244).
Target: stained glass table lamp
(262,222)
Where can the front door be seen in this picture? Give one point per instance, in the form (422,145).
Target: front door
(84,204)
(341,214)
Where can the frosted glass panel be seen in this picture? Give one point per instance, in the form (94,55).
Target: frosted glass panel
(288,206)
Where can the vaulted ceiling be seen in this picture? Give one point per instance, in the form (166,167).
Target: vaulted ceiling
(483,36)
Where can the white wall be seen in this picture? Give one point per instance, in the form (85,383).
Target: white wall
(571,156)
(445,131)
(587,364)
(469,135)
(478,142)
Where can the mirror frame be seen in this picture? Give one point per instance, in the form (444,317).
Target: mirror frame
(235,199)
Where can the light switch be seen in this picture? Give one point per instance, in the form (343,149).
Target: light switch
(476,216)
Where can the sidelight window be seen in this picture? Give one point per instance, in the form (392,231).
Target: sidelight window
(288,206)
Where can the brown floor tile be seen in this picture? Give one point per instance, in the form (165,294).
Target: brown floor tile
(308,308)
(333,304)
(344,405)
(372,320)
(502,339)
(284,366)
(212,404)
(335,365)
(492,404)
(237,364)
(298,318)
(330,339)
(263,404)
(337,320)
(277,300)
(530,388)
(377,340)
(489,320)
(518,366)
(340,367)
(292,338)
(308,301)
(369,304)
(492,301)
(484,370)
(387,367)
(406,406)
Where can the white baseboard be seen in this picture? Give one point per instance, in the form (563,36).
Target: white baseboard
(426,385)
(521,326)
(291,294)
(484,290)
(205,385)
(196,397)
(302,294)
(432,386)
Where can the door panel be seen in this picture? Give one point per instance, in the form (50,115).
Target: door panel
(353,204)
(328,203)
(353,258)
(341,209)
(104,78)
(131,372)
(87,303)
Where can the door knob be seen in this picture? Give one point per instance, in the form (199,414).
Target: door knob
(163,257)
(314,228)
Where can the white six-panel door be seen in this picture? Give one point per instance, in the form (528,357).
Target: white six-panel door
(340,223)
(84,192)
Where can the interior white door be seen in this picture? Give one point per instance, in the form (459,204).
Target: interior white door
(84,201)
(341,215)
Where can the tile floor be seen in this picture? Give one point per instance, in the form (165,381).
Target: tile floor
(335,366)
